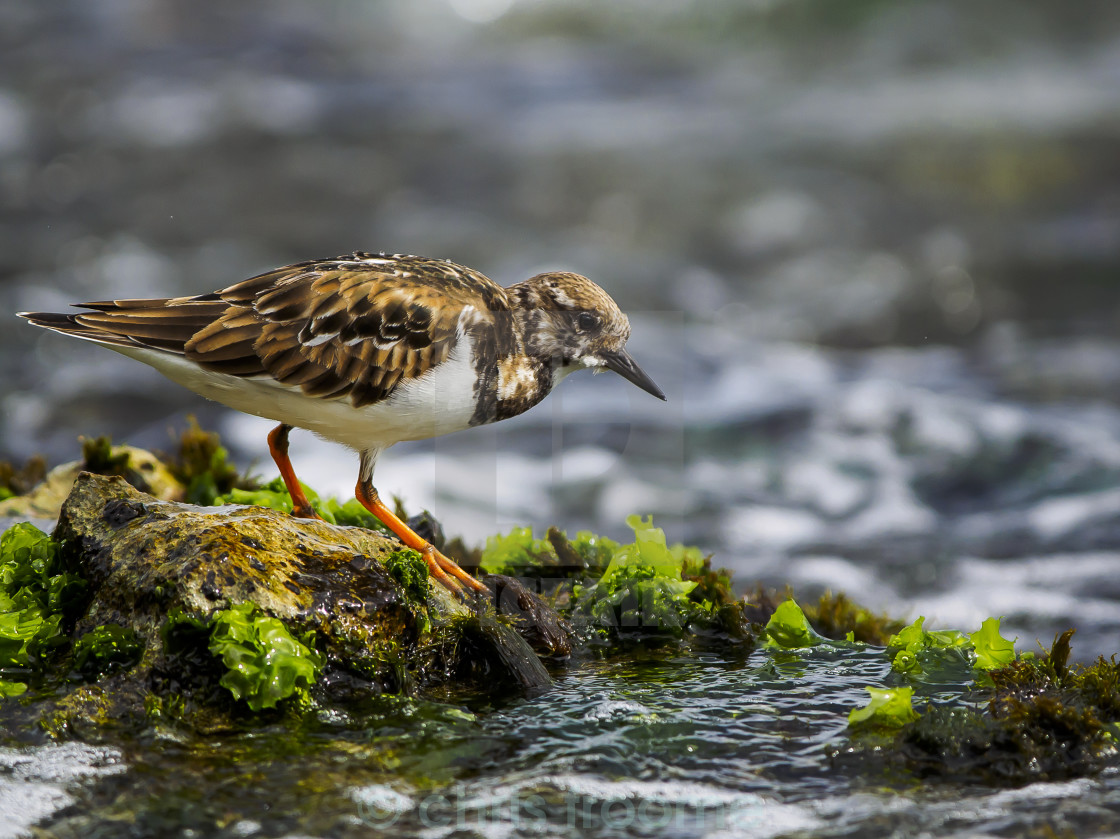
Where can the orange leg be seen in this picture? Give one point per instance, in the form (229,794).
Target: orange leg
(278,448)
(440,567)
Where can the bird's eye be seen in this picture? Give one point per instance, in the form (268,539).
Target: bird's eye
(587,321)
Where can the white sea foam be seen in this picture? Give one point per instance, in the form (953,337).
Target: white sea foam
(37,782)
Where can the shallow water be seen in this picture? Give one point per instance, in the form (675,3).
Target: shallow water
(870,255)
(690,745)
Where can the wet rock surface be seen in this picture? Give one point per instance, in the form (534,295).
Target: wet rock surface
(536,621)
(144,557)
(163,569)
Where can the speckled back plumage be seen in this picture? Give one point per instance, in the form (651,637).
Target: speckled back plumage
(357,328)
(352,327)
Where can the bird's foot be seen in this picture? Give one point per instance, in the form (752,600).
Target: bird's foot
(305,511)
(448,574)
(442,569)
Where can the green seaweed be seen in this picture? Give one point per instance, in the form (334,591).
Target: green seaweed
(930,656)
(722,614)
(646,585)
(107,649)
(515,552)
(201,464)
(713,585)
(948,655)
(992,650)
(642,585)
(348,514)
(1043,718)
(252,656)
(36,598)
(11,688)
(648,552)
(519,554)
(408,568)
(887,708)
(789,629)
(274,495)
(264,663)
(592,552)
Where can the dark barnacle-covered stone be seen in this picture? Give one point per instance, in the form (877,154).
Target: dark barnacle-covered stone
(534,620)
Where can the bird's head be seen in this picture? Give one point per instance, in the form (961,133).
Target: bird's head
(567,318)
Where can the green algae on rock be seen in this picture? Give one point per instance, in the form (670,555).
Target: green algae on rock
(107,649)
(519,554)
(264,663)
(1032,718)
(191,612)
(38,602)
(646,587)
(144,557)
(274,496)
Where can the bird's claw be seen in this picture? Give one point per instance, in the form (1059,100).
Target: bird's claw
(447,572)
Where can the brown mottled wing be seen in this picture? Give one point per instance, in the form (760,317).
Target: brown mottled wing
(353,327)
(350,327)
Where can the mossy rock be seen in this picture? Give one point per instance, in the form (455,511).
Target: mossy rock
(145,558)
(156,568)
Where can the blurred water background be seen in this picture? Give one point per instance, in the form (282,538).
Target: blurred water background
(870,250)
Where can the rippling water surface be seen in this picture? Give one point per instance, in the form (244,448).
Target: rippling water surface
(708,745)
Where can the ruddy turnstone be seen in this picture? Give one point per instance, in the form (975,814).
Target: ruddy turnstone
(369,350)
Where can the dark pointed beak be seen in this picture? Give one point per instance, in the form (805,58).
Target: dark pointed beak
(625,366)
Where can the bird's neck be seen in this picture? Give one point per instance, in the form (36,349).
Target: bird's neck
(522,368)
(531,324)
(510,385)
